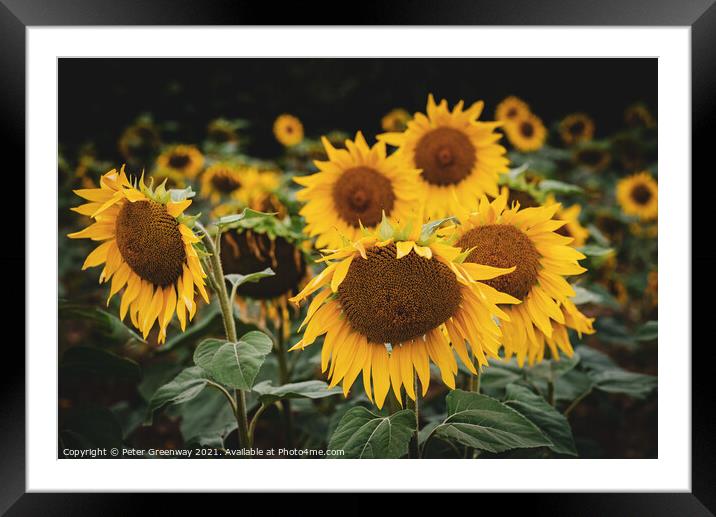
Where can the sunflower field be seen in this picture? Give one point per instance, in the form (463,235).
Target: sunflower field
(456,280)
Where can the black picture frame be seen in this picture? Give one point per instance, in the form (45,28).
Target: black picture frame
(700,15)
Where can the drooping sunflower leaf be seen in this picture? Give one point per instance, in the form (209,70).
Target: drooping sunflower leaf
(482,422)
(236,280)
(637,385)
(649,331)
(363,434)
(184,387)
(106,323)
(234,364)
(538,411)
(269,394)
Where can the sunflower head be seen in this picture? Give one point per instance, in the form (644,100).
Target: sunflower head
(183,159)
(220,180)
(575,128)
(639,116)
(638,195)
(511,109)
(572,228)
(288,130)
(353,188)
(592,157)
(139,141)
(147,249)
(526,134)
(394,300)
(500,236)
(222,131)
(395,120)
(457,155)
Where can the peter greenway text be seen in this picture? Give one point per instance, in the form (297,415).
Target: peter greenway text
(199,452)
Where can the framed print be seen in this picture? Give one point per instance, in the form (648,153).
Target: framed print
(407,246)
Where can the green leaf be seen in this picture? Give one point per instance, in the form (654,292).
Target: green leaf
(236,280)
(636,385)
(107,324)
(429,228)
(385,229)
(538,411)
(269,394)
(177,195)
(234,364)
(559,187)
(247,214)
(362,434)
(207,419)
(208,322)
(585,296)
(649,331)
(484,423)
(184,387)
(84,359)
(592,250)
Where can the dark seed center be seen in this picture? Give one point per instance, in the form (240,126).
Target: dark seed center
(502,245)
(641,194)
(445,155)
(577,128)
(361,195)
(150,242)
(392,300)
(225,183)
(178,161)
(527,129)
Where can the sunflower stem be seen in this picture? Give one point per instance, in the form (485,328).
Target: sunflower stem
(414,450)
(551,383)
(227,313)
(285,379)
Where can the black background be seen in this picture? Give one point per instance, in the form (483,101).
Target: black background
(98,98)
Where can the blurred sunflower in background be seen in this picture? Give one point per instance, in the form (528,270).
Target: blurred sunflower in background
(391,302)
(146,247)
(638,196)
(575,128)
(572,228)
(353,189)
(511,109)
(220,180)
(395,120)
(592,157)
(139,142)
(222,131)
(526,239)
(457,155)
(288,130)
(527,133)
(184,160)
(639,116)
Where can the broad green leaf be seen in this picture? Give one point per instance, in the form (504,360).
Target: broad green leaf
(482,422)
(496,378)
(207,419)
(593,359)
(572,385)
(184,387)
(636,385)
(362,434)
(538,411)
(649,331)
(234,364)
(236,280)
(106,323)
(269,394)
(585,296)
(84,359)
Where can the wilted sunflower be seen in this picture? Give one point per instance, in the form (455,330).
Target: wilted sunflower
(146,247)
(395,120)
(511,109)
(526,134)
(409,291)
(573,228)
(638,115)
(288,130)
(139,141)
(526,239)
(185,159)
(458,156)
(353,189)
(592,157)
(638,195)
(575,128)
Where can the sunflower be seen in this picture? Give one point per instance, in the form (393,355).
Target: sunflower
(146,247)
(572,228)
(511,109)
(457,156)
(221,179)
(575,128)
(638,115)
(501,237)
(395,120)
(288,130)
(139,141)
(353,189)
(391,302)
(638,195)
(222,131)
(592,157)
(526,134)
(184,159)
